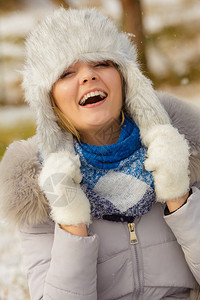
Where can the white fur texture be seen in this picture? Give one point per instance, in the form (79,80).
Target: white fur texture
(59,179)
(61,40)
(21,200)
(168,158)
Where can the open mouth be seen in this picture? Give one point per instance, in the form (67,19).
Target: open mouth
(92,97)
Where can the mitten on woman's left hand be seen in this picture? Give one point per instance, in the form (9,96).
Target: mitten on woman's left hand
(59,180)
(168,159)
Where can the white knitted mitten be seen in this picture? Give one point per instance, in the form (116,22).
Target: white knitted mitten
(59,179)
(168,159)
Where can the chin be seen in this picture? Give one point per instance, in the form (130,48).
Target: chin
(102,120)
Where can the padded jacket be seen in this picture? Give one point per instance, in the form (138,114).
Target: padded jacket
(104,266)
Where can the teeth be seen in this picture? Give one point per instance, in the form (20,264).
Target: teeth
(82,100)
(92,94)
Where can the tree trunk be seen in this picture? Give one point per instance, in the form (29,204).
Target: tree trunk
(62,3)
(132,23)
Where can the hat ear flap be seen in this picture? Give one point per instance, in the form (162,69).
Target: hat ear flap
(51,138)
(142,103)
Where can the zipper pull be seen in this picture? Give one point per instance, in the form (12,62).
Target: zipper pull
(133,237)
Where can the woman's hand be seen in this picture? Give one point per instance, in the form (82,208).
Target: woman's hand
(59,179)
(176,203)
(80,230)
(168,159)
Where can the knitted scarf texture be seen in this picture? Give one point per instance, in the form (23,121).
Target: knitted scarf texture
(114,178)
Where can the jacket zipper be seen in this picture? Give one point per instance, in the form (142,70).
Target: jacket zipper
(133,236)
(137,277)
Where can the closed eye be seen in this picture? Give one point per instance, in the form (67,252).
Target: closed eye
(66,74)
(103,64)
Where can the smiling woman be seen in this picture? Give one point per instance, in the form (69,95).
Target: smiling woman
(90,97)
(104,193)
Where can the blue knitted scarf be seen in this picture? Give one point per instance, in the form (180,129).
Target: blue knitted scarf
(114,178)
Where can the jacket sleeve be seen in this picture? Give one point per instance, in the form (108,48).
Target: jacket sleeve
(185,224)
(59,265)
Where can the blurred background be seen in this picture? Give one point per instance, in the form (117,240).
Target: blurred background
(167,33)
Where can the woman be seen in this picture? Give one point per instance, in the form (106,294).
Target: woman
(103,197)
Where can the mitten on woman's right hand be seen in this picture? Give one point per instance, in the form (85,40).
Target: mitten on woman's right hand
(59,180)
(168,159)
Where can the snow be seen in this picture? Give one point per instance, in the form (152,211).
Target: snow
(164,2)
(169,13)
(10,115)
(13,283)
(113,8)
(11,50)
(20,22)
(13,24)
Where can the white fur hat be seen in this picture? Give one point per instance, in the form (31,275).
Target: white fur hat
(71,35)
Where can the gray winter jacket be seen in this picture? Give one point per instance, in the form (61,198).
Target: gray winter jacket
(164,263)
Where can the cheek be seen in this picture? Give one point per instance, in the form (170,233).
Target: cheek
(115,80)
(118,92)
(116,86)
(63,93)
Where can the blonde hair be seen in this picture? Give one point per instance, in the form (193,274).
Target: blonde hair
(63,121)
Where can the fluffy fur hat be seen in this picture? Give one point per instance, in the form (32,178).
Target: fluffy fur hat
(71,35)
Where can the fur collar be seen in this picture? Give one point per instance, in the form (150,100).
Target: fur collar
(22,201)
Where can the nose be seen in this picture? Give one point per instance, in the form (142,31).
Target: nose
(88,79)
(87,75)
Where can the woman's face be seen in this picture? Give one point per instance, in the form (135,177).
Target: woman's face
(90,95)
